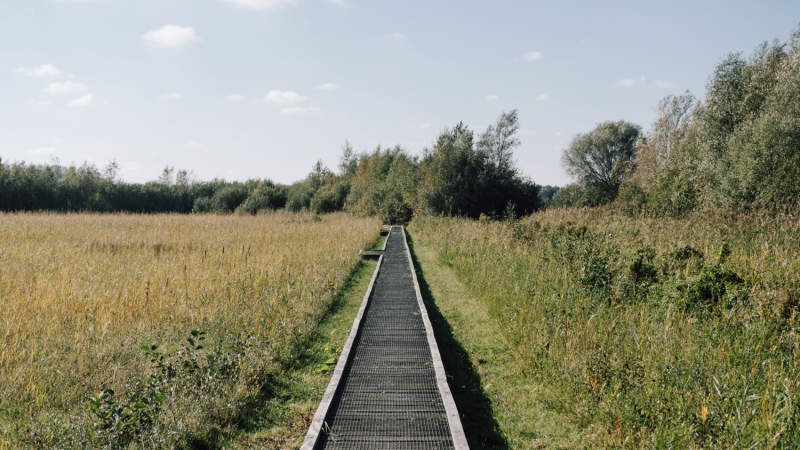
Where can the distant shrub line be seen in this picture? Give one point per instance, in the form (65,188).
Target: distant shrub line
(459,176)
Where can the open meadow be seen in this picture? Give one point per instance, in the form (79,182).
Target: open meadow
(640,328)
(171,325)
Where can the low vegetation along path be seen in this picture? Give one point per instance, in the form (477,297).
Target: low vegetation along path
(392,392)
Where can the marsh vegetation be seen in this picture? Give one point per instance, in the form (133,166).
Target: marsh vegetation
(157,330)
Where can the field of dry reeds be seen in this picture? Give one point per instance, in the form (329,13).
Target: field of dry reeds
(648,330)
(156,330)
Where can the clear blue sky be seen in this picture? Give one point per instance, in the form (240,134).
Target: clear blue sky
(244,89)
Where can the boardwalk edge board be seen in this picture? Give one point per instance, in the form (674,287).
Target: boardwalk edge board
(453,419)
(321,415)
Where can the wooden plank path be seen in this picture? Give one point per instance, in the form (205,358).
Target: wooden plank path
(389,389)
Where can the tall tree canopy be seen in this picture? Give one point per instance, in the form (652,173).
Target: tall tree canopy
(599,159)
(461,177)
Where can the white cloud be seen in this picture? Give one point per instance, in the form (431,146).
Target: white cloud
(532,56)
(67,87)
(491,98)
(336,2)
(195,144)
(43,151)
(46,70)
(558,133)
(642,81)
(328,86)
(283,97)
(235,98)
(262,4)
(40,103)
(425,125)
(300,110)
(171,36)
(399,36)
(86,100)
(542,97)
(662,84)
(171,96)
(631,82)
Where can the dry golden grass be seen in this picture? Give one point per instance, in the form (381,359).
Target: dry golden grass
(81,293)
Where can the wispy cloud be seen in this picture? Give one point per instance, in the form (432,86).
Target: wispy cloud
(46,70)
(642,81)
(328,86)
(631,82)
(43,151)
(171,96)
(558,133)
(399,36)
(235,98)
(491,98)
(532,56)
(86,100)
(262,4)
(426,125)
(66,87)
(300,110)
(283,97)
(171,36)
(662,84)
(337,2)
(542,97)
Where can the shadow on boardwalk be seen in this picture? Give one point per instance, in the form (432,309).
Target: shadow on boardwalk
(475,408)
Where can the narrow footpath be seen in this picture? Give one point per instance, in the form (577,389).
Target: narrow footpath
(388,395)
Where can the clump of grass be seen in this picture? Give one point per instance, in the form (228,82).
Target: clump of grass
(657,331)
(80,295)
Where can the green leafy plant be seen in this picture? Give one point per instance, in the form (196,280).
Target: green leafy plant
(122,421)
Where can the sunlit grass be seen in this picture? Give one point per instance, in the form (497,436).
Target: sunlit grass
(80,294)
(647,348)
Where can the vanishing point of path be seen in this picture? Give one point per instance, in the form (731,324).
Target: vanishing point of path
(388,396)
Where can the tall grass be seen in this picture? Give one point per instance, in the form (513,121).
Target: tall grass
(654,331)
(81,294)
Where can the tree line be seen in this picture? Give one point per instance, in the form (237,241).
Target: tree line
(740,144)
(461,175)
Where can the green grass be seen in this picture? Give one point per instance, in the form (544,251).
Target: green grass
(637,328)
(500,405)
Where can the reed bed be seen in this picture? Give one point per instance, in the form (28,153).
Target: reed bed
(81,295)
(649,330)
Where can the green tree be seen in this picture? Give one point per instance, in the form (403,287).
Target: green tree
(749,126)
(600,159)
(461,177)
(666,164)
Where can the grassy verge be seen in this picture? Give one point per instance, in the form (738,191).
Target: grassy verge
(500,405)
(288,406)
(652,331)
